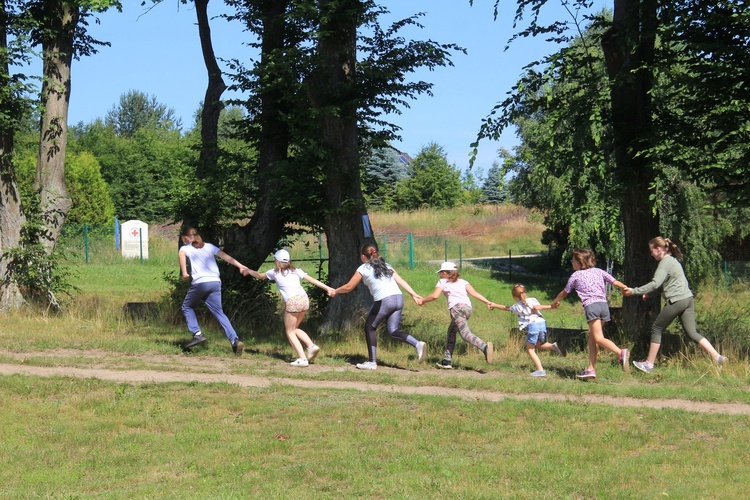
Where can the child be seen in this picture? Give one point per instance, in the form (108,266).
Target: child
(530,319)
(679,301)
(206,286)
(457,292)
(296,303)
(590,284)
(383,282)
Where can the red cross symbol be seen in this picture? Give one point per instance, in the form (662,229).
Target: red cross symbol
(135,232)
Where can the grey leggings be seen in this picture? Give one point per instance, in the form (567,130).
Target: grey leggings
(388,310)
(685,309)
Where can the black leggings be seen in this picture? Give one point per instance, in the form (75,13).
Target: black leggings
(388,310)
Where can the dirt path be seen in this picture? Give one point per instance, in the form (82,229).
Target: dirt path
(180,369)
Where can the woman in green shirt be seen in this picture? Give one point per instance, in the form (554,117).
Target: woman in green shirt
(678,300)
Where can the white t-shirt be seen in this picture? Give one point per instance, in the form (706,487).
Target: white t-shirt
(455,292)
(203,267)
(289,283)
(380,288)
(525,314)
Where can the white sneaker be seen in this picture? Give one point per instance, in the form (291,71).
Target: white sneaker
(312,351)
(421,351)
(299,362)
(367,365)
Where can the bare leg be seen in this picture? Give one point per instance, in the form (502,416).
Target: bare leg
(534,358)
(290,326)
(653,350)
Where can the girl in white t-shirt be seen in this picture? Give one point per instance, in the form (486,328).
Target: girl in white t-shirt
(296,303)
(531,320)
(383,282)
(457,291)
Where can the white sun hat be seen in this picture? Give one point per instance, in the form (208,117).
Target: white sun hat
(447,266)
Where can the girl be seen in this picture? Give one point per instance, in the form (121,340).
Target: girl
(206,286)
(383,282)
(679,301)
(296,302)
(457,292)
(590,283)
(530,319)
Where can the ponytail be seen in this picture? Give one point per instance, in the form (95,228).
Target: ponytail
(378,263)
(668,245)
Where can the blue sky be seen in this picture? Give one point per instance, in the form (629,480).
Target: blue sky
(158,52)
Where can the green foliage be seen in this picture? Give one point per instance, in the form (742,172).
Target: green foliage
(433,182)
(91,201)
(564,164)
(143,172)
(230,191)
(383,169)
(38,274)
(137,110)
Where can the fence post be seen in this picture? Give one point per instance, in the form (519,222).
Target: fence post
(726,273)
(117,234)
(460,256)
(510,265)
(411,251)
(86,241)
(140,237)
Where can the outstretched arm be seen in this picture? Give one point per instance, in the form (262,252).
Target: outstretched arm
(560,296)
(254,274)
(492,306)
(353,282)
(318,283)
(433,296)
(231,260)
(403,284)
(471,291)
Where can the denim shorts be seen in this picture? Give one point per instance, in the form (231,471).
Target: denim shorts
(536,332)
(597,310)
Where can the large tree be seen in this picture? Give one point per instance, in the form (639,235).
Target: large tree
(309,101)
(59,27)
(664,117)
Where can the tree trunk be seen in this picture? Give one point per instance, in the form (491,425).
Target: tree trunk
(212,104)
(628,50)
(208,158)
(57,47)
(332,93)
(261,235)
(11,215)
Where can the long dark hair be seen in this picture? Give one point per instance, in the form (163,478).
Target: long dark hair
(378,263)
(190,231)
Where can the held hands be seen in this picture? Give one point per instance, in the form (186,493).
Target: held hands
(418,299)
(331,291)
(555,304)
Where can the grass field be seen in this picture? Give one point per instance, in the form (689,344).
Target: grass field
(66,437)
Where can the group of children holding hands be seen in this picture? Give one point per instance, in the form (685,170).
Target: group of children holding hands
(385,284)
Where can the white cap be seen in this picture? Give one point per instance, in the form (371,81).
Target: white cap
(281,255)
(447,266)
